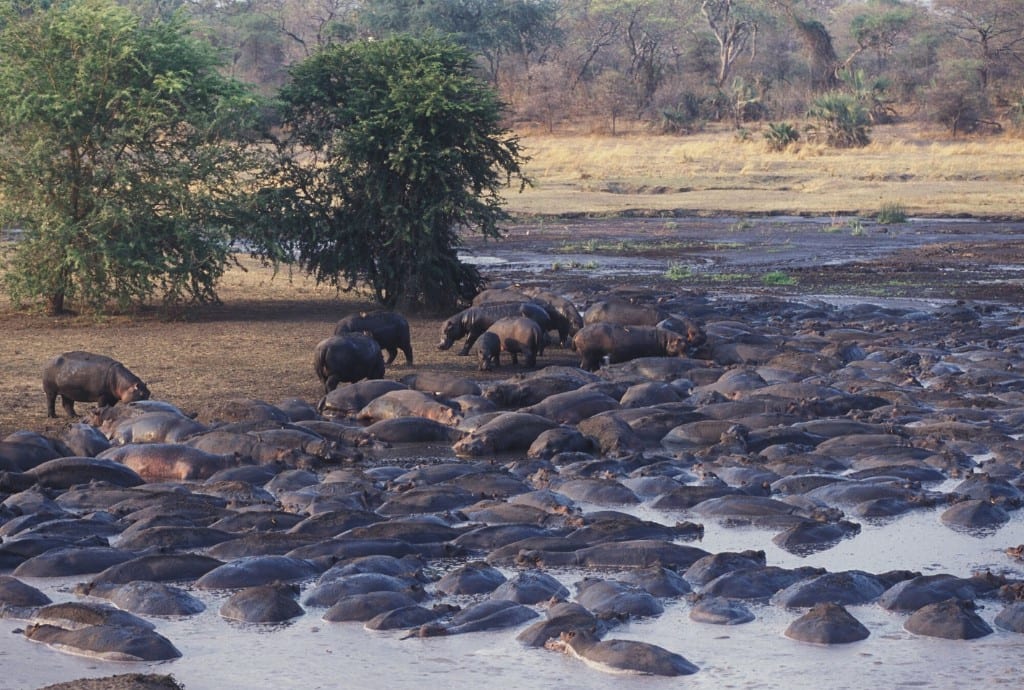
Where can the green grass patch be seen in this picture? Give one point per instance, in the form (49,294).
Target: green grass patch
(892,212)
(679,272)
(778,278)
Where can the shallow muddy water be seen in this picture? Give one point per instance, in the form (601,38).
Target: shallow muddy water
(310,653)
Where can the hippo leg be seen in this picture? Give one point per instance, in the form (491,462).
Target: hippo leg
(51,402)
(531,358)
(392,353)
(69,406)
(407,351)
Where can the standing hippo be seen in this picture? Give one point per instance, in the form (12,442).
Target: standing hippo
(564,316)
(518,335)
(87,377)
(488,349)
(471,323)
(623,343)
(390,330)
(351,357)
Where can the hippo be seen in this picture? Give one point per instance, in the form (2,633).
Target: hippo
(109,642)
(519,335)
(362,607)
(408,403)
(488,350)
(19,600)
(272,603)
(489,614)
(719,611)
(565,318)
(561,617)
(146,598)
(827,623)
(351,357)
(623,313)
(531,587)
(951,619)
(79,376)
(622,343)
(616,600)
(471,323)
(159,461)
(618,656)
(475,577)
(390,330)
(510,431)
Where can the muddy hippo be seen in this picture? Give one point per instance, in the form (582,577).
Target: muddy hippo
(471,323)
(564,316)
(390,330)
(86,377)
(623,313)
(518,335)
(351,357)
(618,656)
(488,351)
(623,343)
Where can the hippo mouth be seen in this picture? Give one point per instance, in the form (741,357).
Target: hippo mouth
(445,344)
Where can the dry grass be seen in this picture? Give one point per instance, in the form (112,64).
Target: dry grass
(714,171)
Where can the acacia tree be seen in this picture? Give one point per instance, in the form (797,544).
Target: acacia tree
(390,149)
(117,155)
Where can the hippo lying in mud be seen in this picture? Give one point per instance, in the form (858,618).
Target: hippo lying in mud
(471,323)
(351,357)
(388,328)
(623,343)
(86,377)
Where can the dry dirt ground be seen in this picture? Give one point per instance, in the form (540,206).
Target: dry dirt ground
(258,343)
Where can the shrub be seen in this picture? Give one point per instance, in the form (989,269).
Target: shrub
(780,135)
(891,212)
(843,119)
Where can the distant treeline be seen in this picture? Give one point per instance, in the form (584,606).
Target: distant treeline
(674,64)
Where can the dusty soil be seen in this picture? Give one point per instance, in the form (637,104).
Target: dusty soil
(127,681)
(258,342)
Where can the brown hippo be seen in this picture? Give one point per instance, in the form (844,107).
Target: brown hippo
(351,357)
(86,377)
(565,318)
(518,335)
(623,343)
(622,656)
(623,313)
(472,322)
(488,350)
(390,330)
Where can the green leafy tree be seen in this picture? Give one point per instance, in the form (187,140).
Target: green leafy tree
(391,148)
(117,156)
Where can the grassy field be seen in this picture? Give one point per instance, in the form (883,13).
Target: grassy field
(927,173)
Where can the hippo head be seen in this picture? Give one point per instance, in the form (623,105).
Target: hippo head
(137,391)
(695,336)
(450,332)
(675,346)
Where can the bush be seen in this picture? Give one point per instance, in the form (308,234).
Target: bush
(843,119)
(780,135)
(891,212)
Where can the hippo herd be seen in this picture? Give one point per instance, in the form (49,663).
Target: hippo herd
(800,417)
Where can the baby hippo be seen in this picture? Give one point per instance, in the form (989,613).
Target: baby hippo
(87,377)
(488,349)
